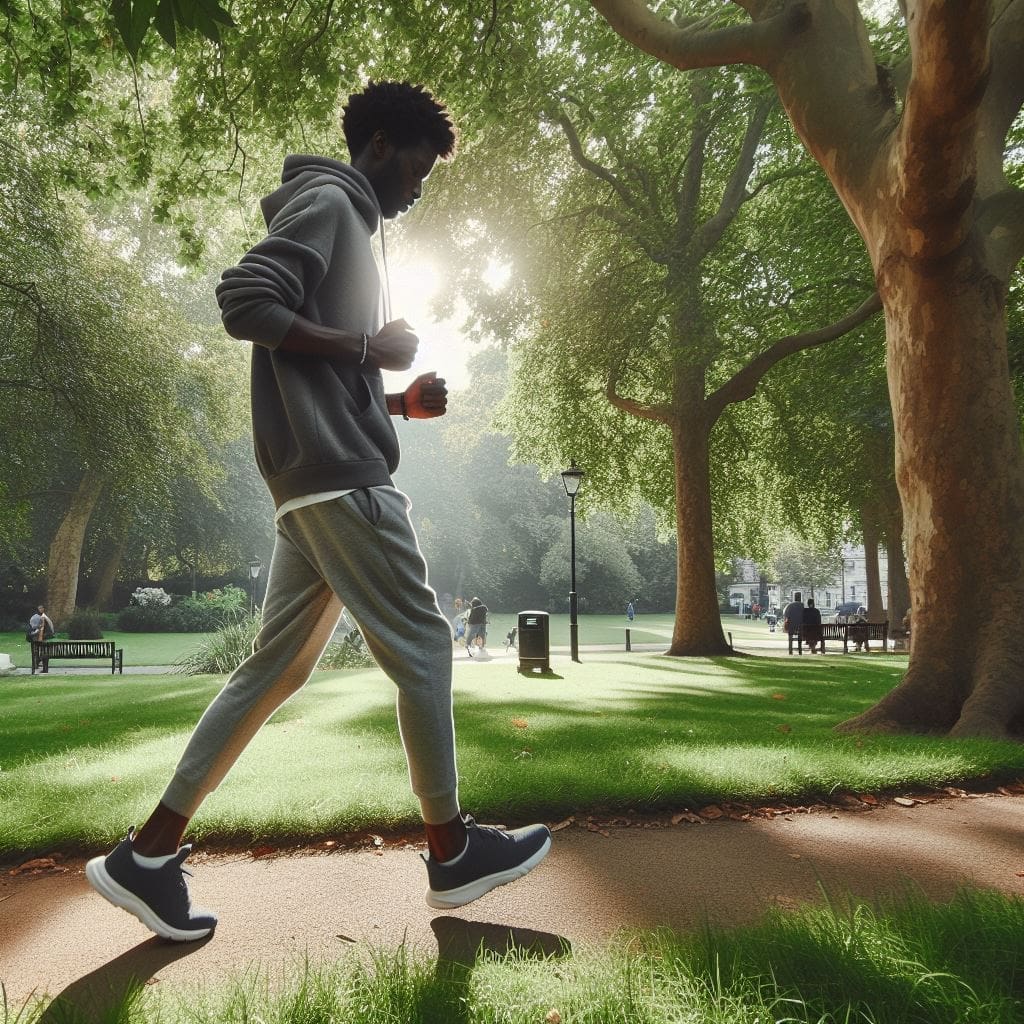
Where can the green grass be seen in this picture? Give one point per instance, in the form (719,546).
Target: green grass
(908,962)
(85,755)
(139,648)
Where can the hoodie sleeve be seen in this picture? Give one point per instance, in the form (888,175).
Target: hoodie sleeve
(259,298)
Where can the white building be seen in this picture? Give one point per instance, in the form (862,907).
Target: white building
(851,585)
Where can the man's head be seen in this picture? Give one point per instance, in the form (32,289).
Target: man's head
(41,610)
(810,602)
(395,133)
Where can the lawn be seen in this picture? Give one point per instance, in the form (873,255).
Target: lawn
(139,648)
(84,756)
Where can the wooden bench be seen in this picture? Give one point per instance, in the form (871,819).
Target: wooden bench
(45,650)
(849,633)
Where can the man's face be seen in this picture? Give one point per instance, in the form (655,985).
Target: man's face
(399,177)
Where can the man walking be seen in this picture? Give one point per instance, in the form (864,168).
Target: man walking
(308,297)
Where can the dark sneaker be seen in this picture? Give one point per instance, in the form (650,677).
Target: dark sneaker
(492,858)
(158,897)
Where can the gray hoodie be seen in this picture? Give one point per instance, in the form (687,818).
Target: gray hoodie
(319,424)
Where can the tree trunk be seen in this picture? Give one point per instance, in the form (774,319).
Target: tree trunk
(898,601)
(698,623)
(66,548)
(106,577)
(869,529)
(963,499)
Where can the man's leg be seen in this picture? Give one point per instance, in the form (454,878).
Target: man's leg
(365,546)
(143,874)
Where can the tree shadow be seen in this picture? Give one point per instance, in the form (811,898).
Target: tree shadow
(116,984)
(461,944)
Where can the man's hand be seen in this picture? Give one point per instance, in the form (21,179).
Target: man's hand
(393,347)
(426,397)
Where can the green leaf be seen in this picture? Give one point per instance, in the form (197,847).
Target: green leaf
(133,20)
(165,23)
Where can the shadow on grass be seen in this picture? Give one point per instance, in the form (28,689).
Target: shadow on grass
(99,994)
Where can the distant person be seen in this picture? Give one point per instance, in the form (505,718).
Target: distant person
(630,611)
(40,626)
(476,626)
(793,619)
(812,630)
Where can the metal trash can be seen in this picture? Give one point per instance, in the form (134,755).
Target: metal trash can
(534,644)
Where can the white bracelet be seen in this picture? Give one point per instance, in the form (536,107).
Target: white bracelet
(366,342)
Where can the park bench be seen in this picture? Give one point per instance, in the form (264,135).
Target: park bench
(850,633)
(43,651)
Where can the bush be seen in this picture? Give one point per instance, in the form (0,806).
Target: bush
(205,613)
(348,652)
(85,624)
(224,651)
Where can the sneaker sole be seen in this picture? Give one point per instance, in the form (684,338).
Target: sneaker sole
(114,892)
(451,898)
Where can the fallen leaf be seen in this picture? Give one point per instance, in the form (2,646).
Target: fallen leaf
(553,1017)
(345,938)
(329,843)
(520,723)
(711,812)
(592,827)
(778,696)
(904,801)
(263,851)
(783,728)
(868,798)
(795,856)
(36,865)
(377,840)
(563,824)
(686,816)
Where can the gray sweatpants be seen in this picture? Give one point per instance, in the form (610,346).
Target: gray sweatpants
(357,552)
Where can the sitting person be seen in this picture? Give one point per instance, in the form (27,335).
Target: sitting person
(812,628)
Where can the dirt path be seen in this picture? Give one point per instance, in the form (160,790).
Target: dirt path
(58,937)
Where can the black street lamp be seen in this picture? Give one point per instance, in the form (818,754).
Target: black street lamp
(255,565)
(571,480)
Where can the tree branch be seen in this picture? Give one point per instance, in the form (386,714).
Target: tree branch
(1005,93)
(736,190)
(660,413)
(760,43)
(743,383)
(1001,221)
(592,166)
(949,42)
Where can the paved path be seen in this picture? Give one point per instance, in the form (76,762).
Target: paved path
(58,937)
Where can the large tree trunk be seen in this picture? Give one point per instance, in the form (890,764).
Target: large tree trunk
(869,529)
(963,500)
(66,548)
(898,598)
(698,624)
(106,576)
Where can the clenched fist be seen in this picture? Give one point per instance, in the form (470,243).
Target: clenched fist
(426,397)
(393,347)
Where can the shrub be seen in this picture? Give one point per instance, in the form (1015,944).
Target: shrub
(225,650)
(150,619)
(347,652)
(151,597)
(85,624)
(208,612)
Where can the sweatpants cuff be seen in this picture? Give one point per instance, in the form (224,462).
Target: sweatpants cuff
(182,797)
(437,810)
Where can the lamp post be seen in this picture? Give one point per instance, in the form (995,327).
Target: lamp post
(571,480)
(255,565)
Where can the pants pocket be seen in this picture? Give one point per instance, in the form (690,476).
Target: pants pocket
(366,502)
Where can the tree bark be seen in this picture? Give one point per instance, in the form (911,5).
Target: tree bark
(870,533)
(106,577)
(66,548)
(698,621)
(898,598)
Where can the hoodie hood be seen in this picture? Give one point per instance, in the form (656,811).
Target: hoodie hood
(305,172)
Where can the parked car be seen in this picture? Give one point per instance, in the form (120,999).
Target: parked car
(848,608)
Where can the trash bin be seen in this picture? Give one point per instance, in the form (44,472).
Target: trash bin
(534,646)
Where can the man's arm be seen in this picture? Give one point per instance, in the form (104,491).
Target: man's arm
(391,348)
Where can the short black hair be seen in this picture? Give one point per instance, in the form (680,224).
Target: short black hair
(406,113)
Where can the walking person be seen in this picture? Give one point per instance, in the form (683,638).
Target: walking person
(308,297)
(476,626)
(40,625)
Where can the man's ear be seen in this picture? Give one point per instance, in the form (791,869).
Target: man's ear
(380,145)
